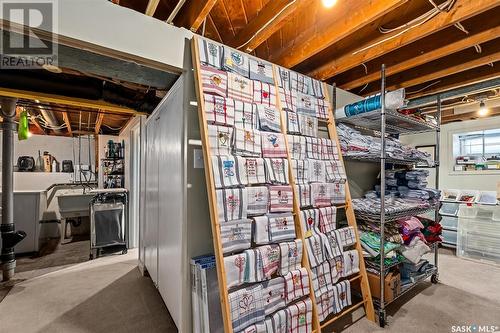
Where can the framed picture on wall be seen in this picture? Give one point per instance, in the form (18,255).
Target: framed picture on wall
(430,149)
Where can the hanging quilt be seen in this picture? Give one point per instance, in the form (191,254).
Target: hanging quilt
(316,171)
(210,53)
(334,245)
(251,169)
(236,62)
(297,145)
(257,200)
(280,198)
(261,71)
(232,204)
(213,81)
(239,88)
(304,195)
(288,99)
(291,256)
(226,171)
(306,104)
(300,316)
(292,122)
(308,125)
(327,219)
(276,171)
(247,142)
(236,235)
(245,115)
(269,118)
(264,93)
(261,230)
(219,138)
(247,307)
(273,145)
(274,295)
(296,284)
(313,148)
(318,249)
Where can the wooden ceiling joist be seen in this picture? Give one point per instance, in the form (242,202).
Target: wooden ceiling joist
(37,125)
(151,7)
(68,123)
(317,38)
(438,53)
(468,115)
(98,123)
(193,13)
(462,10)
(269,20)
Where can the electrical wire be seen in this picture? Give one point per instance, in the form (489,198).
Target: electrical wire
(427,86)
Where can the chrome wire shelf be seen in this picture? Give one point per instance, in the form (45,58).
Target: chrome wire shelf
(377,159)
(391,217)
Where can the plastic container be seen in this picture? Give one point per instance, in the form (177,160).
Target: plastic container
(449,223)
(468,196)
(449,209)
(450,237)
(487,198)
(450,195)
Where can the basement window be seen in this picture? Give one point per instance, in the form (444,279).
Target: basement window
(477,151)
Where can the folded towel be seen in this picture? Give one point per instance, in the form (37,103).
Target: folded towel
(300,314)
(274,295)
(338,190)
(308,125)
(210,53)
(351,263)
(309,220)
(279,322)
(336,268)
(321,279)
(232,204)
(327,219)
(270,256)
(281,227)
(322,194)
(284,79)
(291,256)
(261,71)
(213,81)
(256,328)
(239,88)
(261,230)
(236,235)
(247,307)
(235,267)
(296,284)
(334,171)
(276,171)
(288,99)
(325,304)
(245,115)
(300,83)
(219,110)
(219,138)
(264,94)
(342,295)
(226,170)
(306,104)
(292,122)
(300,169)
(333,246)
(316,89)
(254,268)
(317,172)
(318,249)
(257,200)
(297,146)
(347,236)
(329,149)
(280,198)
(251,170)
(269,118)
(321,109)
(304,195)
(313,148)
(273,145)
(247,142)
(236,62)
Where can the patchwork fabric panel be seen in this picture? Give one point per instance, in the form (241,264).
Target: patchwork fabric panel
(247,142)
(232,204)
(313,148)
(236,235)
(327,219)
(346,236)
(351,263)
(280,198)
(306,104)
(322,194)
(335,171)
(245,115)
(213,81)
(269,118)
(270,256)
(296,284)
(274,295)
(276,170)
(264,93)
(219,110)
(239,88)
(226,171)
(261,71)
(321,279)
(297,147)
(273,145)
(236,62)
(316,171)
(284,80)
(235,267)
(304,195)
(257,200)
(288,99)
(300,316)
(321,109)
(300,83)
(309,219)
(247,307)
(281,227)
(308,125)
(300,169)
(252,170)
(292,123)
(291,256)
(219,138)
(210,53)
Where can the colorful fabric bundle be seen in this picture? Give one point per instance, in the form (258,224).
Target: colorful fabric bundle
(329,149)
(300,83)
(334,171)
(284,79)
(281,227)
(321,109)
(327,219)
(325,304)
(313,148)
(235,267)
(336,268)
(304,195)
(239,88)
(219,110)
(322,194)
(291,256)
(338,189)
(318,249)
(306,104)
(264,93)
(236,62)
(308,125)
(351,263)
(210,53)
(273,145)
(261,71)
(251,170)
(270,256)
(276,171)
(296,284)
(316,89)
(292,122)
(300,315)
(247,142)
(226,172)
(269,118)
(288,99)
(236,235)
(309,220)
(278,322)
(346,236)
(300,169)
(342,295)
(247,307)
(316,171)
(213,81)
(232,204)
(321,279)
(297,147)
(257,200)
(334,245)
(280,198)
(274,295)
(219,138)
(245,115)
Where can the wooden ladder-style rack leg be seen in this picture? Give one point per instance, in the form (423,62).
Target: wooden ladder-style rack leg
(351,218)
(296,205)
(212,199)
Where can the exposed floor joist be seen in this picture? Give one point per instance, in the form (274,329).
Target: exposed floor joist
(98,123)
(468,115)
(151,7)
(193,13)
(462,10)
(68,123)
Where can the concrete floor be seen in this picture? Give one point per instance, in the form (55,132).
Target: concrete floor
(110,295)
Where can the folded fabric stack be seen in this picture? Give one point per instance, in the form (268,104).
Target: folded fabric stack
(432,230)
(370,242)
(392,205)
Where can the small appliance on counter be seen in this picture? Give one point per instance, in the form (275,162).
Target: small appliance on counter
(67,166)
(26,164)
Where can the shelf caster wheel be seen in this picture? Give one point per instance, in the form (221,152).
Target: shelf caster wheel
(124,251)
(91,256)
(435,278)
(381,319)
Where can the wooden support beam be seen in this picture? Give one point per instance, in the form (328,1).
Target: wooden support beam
(269,20)
(193,13)
(317,38)
(151,7)
(438,53)
(469,115)
(68,123)
(98,123)
(462,10)
(65,100)
(37,125)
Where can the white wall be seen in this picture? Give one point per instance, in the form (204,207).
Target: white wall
(449,179)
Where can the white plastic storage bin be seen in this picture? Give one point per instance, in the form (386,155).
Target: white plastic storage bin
(479,233)
(450,195)
(449,222)
(467,196)
(449,209)
(487,198)
(449,237)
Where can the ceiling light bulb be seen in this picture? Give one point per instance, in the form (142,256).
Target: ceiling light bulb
(329,3)
(483,111)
